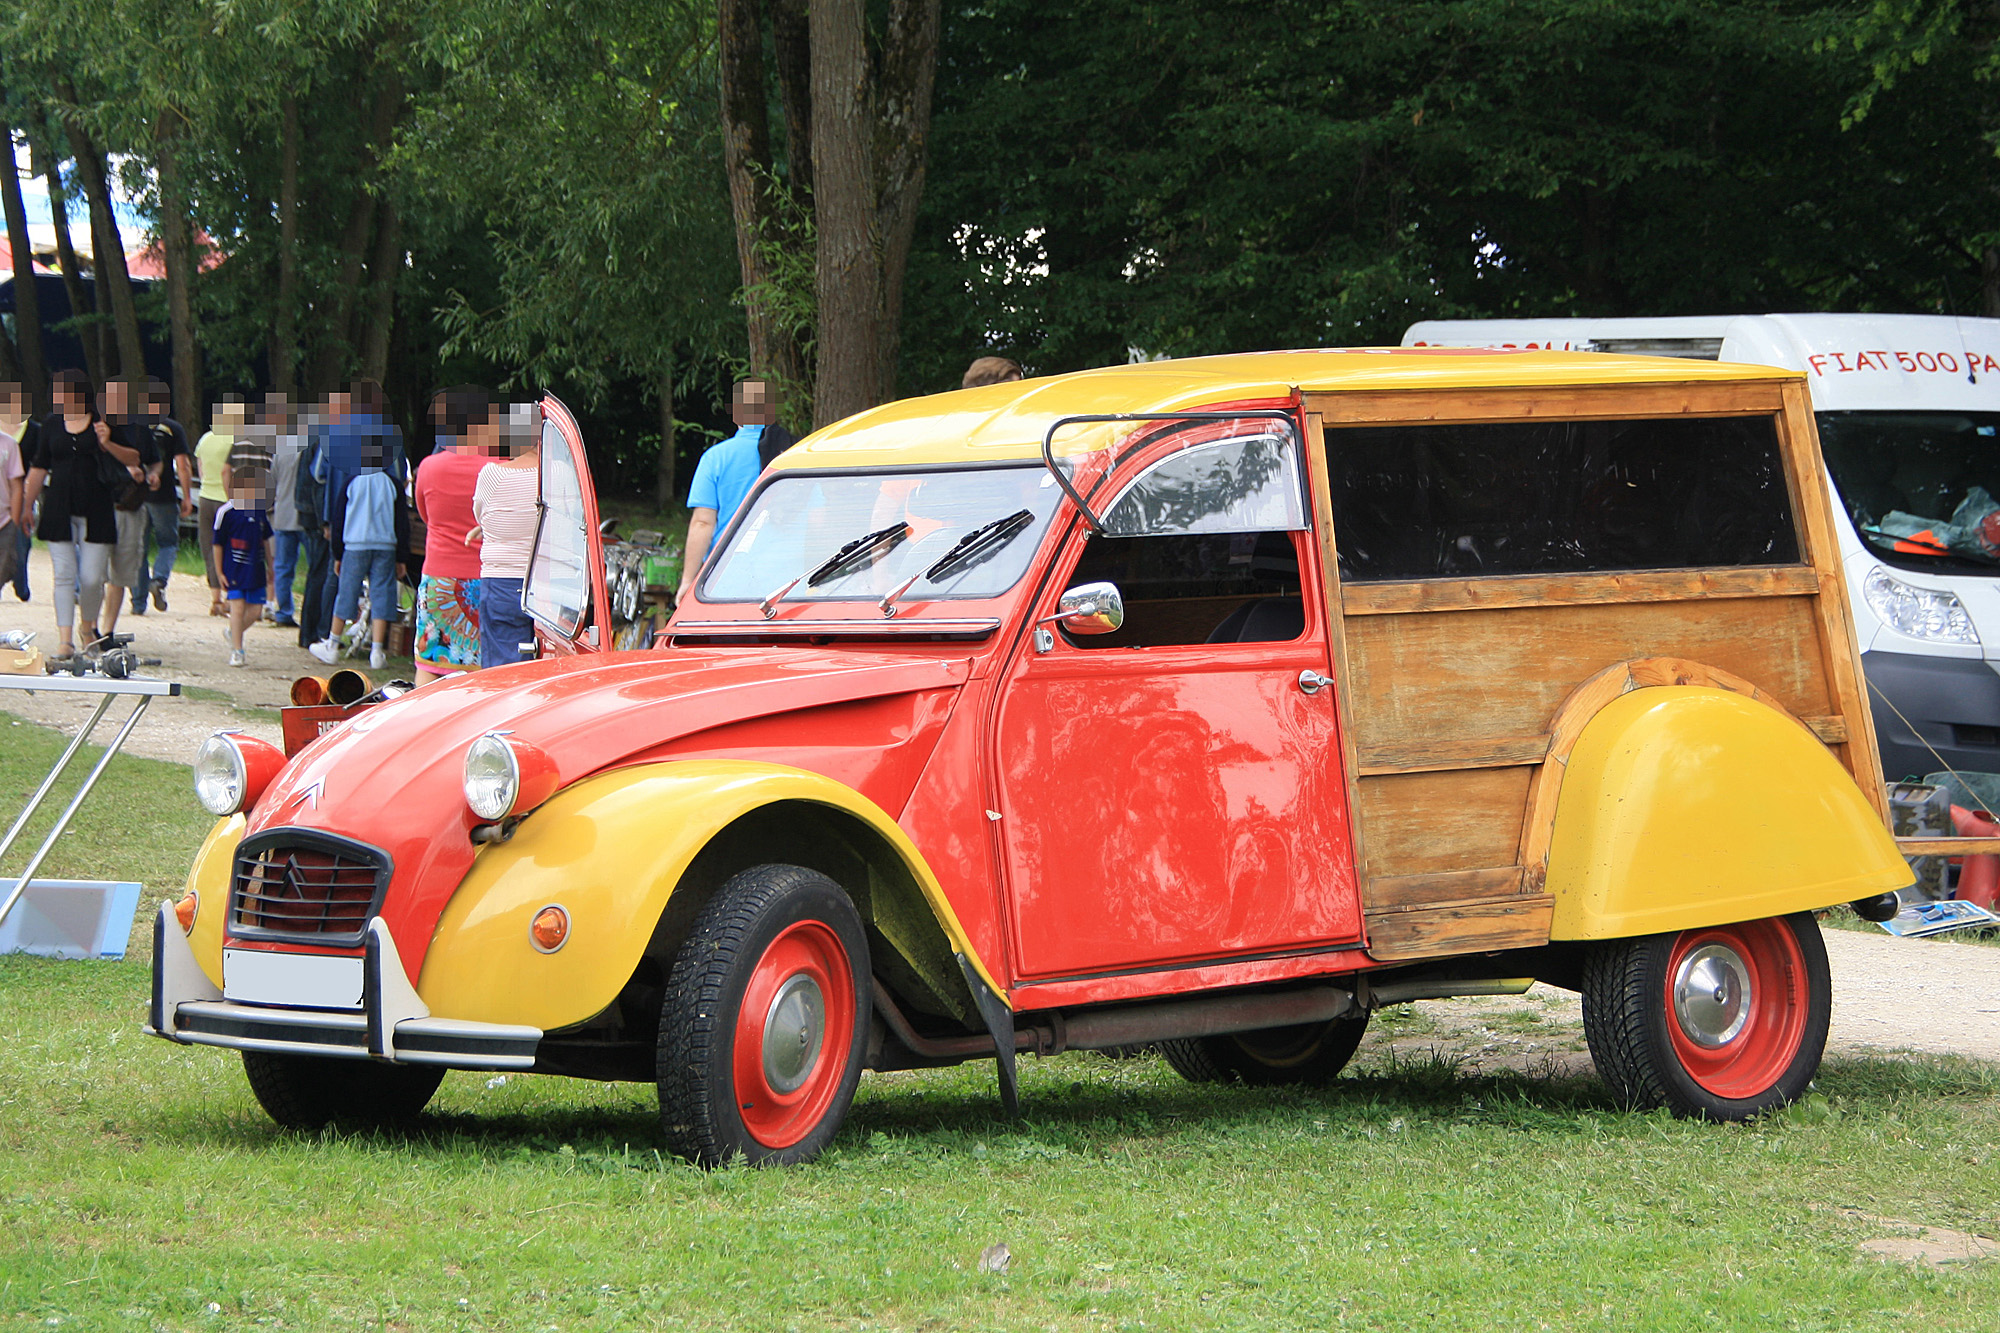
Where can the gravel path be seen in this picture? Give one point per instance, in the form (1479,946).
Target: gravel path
(193,649)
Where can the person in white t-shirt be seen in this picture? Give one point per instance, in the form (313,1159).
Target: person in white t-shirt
(503,506)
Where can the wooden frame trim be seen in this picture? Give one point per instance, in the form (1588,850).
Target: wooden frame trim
(1798,438)
(1319,485)
(1604,402)
(1378,761)
(1948,846)
(1506,591)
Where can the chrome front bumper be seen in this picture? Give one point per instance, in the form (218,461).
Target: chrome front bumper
(392,1023)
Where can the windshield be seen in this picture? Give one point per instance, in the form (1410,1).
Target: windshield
(1920,487)
(900,526)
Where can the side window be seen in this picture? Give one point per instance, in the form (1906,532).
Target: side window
(1201,545)
(1225,587)
(1461,499)
(557,591)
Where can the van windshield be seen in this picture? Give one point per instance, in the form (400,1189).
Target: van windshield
(959,532)
(1922,488)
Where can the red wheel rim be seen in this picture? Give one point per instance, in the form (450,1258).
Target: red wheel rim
(793,1033)
(1737,999)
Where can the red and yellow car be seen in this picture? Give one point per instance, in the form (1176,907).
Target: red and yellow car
(1211,703)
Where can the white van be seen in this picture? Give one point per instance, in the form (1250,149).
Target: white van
(1909,420)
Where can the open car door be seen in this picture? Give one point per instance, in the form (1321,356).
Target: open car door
(565,591)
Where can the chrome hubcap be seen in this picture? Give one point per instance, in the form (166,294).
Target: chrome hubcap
(794,1030)
(1712,995)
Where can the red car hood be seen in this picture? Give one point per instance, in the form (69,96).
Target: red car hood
(392,777)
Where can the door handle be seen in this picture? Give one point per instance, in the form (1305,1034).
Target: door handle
(1311,682)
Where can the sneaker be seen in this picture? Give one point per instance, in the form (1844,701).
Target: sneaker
(236,657)
(327,651)
(159,594)
(285,622)
(377,659)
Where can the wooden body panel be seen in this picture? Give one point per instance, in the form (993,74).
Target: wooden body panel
(1458,693)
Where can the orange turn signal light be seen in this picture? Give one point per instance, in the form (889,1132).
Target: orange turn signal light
(549,929)
(186,910)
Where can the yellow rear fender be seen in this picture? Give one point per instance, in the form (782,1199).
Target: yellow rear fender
(1689,806)
(632,855)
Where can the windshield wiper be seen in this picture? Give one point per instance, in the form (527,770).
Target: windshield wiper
(839,562)
(981,541)
(973,547)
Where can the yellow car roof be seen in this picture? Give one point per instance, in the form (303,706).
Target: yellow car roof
(1004,422)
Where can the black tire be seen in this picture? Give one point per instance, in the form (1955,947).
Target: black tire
(1657,1043)
(1305,1054)
(312,1092)
(777,938)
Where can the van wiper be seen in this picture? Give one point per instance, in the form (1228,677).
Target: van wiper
(839,562)
(974,546)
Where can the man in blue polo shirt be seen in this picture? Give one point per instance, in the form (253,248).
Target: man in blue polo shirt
(728,470)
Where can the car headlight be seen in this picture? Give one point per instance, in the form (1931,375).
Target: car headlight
(232,770)
(1921,613)
(504,776)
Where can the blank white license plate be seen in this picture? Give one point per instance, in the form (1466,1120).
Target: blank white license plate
(302,980)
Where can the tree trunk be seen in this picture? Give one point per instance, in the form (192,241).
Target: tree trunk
(108,265)
(284,355)
(177,248)
(81,306)
(791,42)
(747,162)
(384,271)
(1989,282)
(869,139)
(663,474)
(337,327)
(27,299)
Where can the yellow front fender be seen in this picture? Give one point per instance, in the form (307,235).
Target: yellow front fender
(1687,806)
(609,851)
(208,879)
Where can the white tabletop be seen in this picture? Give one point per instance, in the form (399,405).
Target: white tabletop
(67,683)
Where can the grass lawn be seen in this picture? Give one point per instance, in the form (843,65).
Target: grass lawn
(141,1188)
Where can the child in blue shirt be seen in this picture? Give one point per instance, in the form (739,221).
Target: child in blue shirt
(370,529)
(240,556)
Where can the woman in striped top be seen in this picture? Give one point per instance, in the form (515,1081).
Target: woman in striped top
(503,505)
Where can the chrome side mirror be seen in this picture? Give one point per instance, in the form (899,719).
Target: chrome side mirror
(1090,608)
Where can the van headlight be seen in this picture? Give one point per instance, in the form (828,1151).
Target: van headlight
(504,776)
(1921,613)
(232,770)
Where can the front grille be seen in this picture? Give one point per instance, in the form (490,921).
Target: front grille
(299,884)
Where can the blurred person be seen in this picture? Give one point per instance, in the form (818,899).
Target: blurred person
(170,500)
(359,431)
(504,509)
(990,370)
(369,528)
(728,470)
(241,551)
(13,495)
(315,611)
(131,441)
(211,456)
(448,592)
(287,526)
(17,429)
(78,519)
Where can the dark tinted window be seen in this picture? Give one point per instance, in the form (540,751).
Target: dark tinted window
(1203,588)
(1438,501)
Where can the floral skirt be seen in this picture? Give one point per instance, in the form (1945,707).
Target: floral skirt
(448,624)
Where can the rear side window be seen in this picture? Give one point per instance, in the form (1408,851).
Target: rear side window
(1554,497)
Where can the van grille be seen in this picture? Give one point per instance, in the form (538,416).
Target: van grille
(297,884)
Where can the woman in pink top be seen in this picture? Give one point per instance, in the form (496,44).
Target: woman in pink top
(448,595)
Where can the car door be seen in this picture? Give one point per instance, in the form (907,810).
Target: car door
(565,592)
(1173,792)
